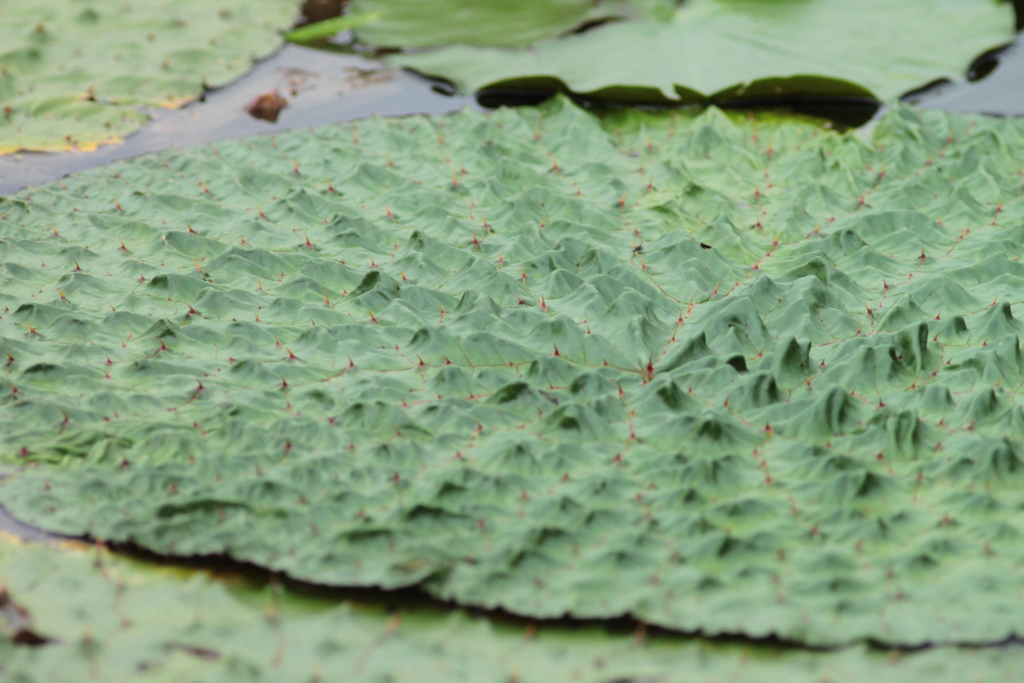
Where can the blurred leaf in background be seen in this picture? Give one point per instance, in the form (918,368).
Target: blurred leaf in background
(75,74)
(714,49)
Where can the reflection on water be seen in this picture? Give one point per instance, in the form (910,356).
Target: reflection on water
(999,91)
(321,87)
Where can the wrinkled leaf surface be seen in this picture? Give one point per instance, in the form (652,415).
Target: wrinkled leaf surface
(724,374)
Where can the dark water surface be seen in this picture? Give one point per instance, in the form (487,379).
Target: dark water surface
(999,91)
(328,87)
(321,87)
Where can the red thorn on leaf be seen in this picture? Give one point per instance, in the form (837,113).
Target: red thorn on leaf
(122,247)
(556,353)
(649,371)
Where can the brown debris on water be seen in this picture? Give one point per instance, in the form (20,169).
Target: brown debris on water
(16,623)
(267,106)
(319,10)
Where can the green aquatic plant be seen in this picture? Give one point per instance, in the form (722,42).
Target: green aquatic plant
(124,620)
(728,49)
(75,74)
(723,373)
(327,28)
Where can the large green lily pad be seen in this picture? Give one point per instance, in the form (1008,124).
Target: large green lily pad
(121,620)
(75,74)
(726,49)
(508,23)
(724,374)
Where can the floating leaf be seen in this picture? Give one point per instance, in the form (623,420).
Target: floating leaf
(508,23)
(723,373)
(73,74)
(120,619)
(728,49)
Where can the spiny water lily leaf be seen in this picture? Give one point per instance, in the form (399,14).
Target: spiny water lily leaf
(723,374)
(508,23)
(122,620)
(727,49)
(73,72)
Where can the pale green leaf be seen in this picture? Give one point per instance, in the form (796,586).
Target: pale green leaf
(74,74)
(726,49)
